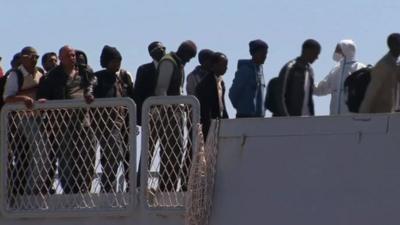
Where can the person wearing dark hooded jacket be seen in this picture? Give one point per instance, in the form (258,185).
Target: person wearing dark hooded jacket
(113,82)
(333,83)
(248,89)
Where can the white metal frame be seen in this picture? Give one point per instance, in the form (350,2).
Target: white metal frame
(163,100)
(105,102)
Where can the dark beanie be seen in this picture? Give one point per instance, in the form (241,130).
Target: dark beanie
(256,45)
(109,53)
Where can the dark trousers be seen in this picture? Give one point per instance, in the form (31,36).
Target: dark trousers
(171,151)
(76,155)
(114,149)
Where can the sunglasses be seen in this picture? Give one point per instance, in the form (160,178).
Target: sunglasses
(32,56)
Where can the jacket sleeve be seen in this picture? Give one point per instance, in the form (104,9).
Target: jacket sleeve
(43,88)
(130,88)
(372,90)
(325,86)
(166,70)
(238,84)
(190,84)
(90,82)
(139,85)
(283,80)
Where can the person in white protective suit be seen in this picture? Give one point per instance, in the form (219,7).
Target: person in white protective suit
(333,83)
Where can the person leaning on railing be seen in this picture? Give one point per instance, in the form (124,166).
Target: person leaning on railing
(31,160)
(113,82)
(74,149)
(170,78)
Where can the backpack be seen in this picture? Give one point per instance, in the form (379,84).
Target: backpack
(355,87)
(127,82)
(271,99)
(3,80)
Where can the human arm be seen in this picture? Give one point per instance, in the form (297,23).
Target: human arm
(238,84)
(166,70)
(191,84)
(11,92)
(282,88)
(325,86)
(371,94)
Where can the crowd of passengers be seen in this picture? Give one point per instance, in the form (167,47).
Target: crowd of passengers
(68,76)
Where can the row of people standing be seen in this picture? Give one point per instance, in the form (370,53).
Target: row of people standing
(291,93)
(292,96)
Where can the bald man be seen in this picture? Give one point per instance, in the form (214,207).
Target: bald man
(67,81)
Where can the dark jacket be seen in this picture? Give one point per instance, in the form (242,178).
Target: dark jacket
(292,80)
(207,93)
(106,87)
(145,83)
(54,85)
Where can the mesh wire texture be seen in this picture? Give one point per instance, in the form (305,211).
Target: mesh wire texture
(170,138)
(202,179)
(68,156)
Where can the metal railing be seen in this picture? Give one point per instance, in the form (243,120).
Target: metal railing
(202,179)
(169,141)
(66,157)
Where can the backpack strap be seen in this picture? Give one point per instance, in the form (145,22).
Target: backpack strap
(20,78)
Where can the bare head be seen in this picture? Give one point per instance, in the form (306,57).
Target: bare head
(67,56)
(204,57)
(186,51)
(219,63)
(258,51)
(156,50)
(393,42)
(310,50)
(49,60)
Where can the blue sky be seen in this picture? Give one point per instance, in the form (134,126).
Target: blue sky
(224,25)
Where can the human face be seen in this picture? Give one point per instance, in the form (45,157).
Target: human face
(187,56)
(395,49)
(313,55)
(114,65)
(157,53)
(50,63)
(68,57)
(29,61)
(221,66)
(260,56)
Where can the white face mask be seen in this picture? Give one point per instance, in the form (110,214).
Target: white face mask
(337,57)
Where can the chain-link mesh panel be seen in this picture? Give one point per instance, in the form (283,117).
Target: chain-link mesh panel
(202,178)
(169,138)
(69,157)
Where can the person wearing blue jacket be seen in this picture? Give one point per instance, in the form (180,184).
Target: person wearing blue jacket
(247,92)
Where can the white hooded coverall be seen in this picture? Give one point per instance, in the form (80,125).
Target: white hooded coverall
(333,83)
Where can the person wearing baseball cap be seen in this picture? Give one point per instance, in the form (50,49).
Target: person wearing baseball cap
(21,87)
